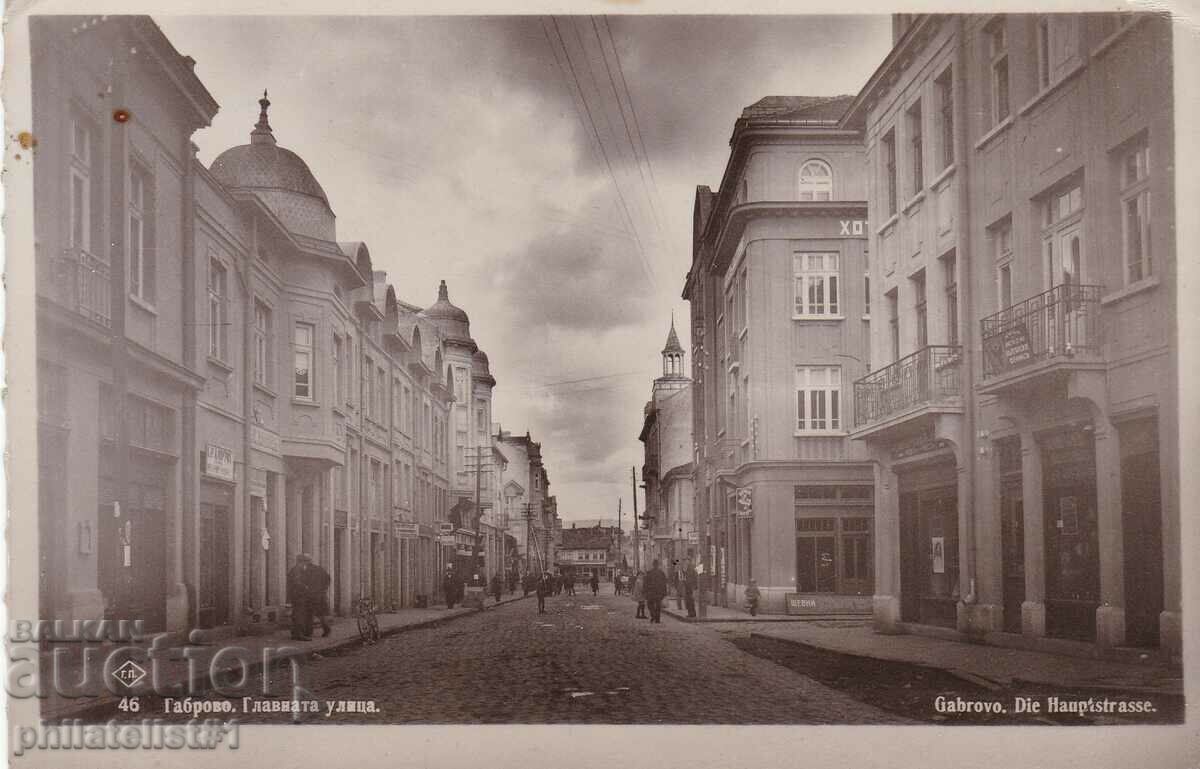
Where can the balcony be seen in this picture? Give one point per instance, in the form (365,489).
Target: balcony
(81,283)
(926,382)
(1055,331)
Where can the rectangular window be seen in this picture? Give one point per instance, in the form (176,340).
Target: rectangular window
(339,363)
(818,399)
(217,309)
(369,405)
(407,421)
(867,295)
(945,96)
(262,344)
(916,147)
(815,285)
(80,187)
(303,356)
(998,49)
(1043,51)
(1000,237)
(889,170)
(1135,211)
(893,302)
(381,396)
(922,310)
(140,248)
(949,268)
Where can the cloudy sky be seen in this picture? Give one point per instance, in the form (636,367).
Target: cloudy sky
(544,167)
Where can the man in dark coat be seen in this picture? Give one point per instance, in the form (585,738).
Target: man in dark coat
(689,587)
(318,593)
(450,586)
(594,582)
(656,590)
(298,596)
(496,586)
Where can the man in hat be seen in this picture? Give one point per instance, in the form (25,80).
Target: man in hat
(318,593)
(299,596)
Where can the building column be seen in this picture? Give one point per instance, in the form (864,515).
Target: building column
(279,558)
(1170,620)
(887,549)
(1033,608)
(237,561)
(1110,615)
(978,500)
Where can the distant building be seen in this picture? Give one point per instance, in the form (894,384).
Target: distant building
(589,550)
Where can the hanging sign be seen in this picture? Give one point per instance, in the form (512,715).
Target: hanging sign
(745,502)
(938,545)
(218,462)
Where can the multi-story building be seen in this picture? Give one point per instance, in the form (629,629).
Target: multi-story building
(224,383)
(667,471)
(1023,408)
(531,511)
(780,324)
(588,551)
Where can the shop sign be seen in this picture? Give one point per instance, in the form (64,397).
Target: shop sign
(802,603)
(744,502)
(404,530)
(922,443)
(1008,349)
(446,540)
(445,527)
(218,461)
(693,537)
(264,440)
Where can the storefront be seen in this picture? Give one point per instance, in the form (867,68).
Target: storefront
(833,540)
(929,567)
(1071,531)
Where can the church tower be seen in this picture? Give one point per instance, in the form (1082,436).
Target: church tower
(673,378)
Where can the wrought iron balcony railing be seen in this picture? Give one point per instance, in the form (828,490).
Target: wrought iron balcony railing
(1060,322)
(929,375)
(82,283)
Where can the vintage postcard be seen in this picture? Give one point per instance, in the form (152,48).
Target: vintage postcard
(592,368)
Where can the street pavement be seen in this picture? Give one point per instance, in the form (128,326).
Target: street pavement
(587,660)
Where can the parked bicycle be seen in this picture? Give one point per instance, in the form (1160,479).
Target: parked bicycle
(368,623)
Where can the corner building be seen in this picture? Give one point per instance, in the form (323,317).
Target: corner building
(1023,411)
(223,383)
(780,323)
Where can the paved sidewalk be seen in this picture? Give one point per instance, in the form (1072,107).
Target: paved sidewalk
(173,667)
(728,614)
(992,664)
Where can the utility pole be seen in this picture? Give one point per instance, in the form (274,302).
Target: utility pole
(637,545)
(620,531)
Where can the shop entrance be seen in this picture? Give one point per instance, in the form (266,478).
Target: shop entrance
(215,549)
(1141,523)
(1072,549)
(929,587)
(132,542)
(52,524)
(1012,533)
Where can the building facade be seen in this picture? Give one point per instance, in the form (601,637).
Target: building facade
(532,514)
(670,526)
(225,384)
(780,326)
(1022,411)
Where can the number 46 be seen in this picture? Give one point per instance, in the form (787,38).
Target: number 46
(129,705)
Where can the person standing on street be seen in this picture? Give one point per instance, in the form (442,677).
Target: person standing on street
(497,587)
(639,595)
(298,596)
(752,596)
(318,591)
(450,588)
(595,583)
(656,590)
(544,587)
(689,587)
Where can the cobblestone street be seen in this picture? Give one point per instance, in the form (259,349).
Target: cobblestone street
(587,660)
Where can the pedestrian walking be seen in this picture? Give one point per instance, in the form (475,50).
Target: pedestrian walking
(318,581)
(752,597)
(656,590)
(298,595)
(497,587)
(639,595)
(617,580)
(689,587)
(569,583)
(544,586)
(595,583)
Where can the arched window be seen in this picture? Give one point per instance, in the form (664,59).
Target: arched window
(816,181)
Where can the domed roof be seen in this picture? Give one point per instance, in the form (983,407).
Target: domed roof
(451,321)
(480,363)
(279,176)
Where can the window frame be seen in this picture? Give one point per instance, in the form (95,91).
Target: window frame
(914,117)
(79,169)
(139,247)
(1135,191)
(218,307)
(310,350)
(826,278)
(944,85)
(999,75)
(832,404)
(814,190)
(262,344)
(889,171)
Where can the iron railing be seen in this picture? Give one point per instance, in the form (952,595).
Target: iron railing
(928,375)
(1063,321)
(82,281)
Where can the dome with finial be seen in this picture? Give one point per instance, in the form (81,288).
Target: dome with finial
(279,177)
(450,320)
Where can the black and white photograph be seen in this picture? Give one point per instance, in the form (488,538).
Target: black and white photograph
(597,367)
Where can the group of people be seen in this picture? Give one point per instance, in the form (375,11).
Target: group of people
(454,588)
(308,593)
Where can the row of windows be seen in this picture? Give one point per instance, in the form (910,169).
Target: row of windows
(914,118)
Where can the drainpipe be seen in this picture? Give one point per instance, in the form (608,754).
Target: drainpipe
(965,323)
